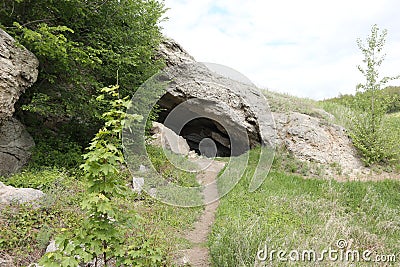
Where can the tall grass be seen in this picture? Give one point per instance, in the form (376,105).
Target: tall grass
(285,103)
(341,114)
(392,130)
(289,212)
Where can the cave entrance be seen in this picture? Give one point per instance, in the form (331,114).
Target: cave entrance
(204,135)
(207,137)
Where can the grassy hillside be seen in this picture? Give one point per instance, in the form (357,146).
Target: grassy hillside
(292,213)
(341,108)
(341,111)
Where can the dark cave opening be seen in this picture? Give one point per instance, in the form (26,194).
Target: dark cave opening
(198,131)
(204,135)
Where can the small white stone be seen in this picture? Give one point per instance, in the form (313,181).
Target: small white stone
(142,168)
(137,184)
(52,247)
(152,192)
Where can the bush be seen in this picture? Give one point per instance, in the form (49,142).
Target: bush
(56,152)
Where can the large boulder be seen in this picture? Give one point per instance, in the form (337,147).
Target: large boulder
(314,140)
(15,145)
(224,107)
(224,101)
(167,139)
(18,71)
(9,194)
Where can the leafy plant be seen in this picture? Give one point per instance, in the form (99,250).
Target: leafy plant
(38,179)
(24,229)
(55,151)
(103,235)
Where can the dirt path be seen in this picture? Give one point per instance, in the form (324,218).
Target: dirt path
(198,255)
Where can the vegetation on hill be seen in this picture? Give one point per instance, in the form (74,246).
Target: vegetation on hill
(367,118)
(391,93)
(25,231)
(82,46)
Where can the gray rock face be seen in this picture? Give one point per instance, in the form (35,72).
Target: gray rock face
(312,139)
(166,138)
(229,103)
(227,107)
(174,54)
(15,143)
(18,71)
(9,194)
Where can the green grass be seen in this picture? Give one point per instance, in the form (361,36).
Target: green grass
(340,112)
(286,212)
(25,231)
(289,212)
(283,103)
(392,128)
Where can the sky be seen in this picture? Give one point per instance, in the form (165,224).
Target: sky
(305,48)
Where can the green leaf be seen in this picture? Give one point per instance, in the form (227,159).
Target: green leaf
(69,262)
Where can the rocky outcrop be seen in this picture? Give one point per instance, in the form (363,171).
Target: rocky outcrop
(18,71)
(315,140)
(221,102)
(233,114)
(15,144)
(9,194)
(166,138)
(174,54)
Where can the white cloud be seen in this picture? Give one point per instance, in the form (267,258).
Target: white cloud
(306,48)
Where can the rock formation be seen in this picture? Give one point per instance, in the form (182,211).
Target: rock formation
(166,138)
(314,140)
(223,108)
(9,194)
(15,143)
(18,71)
(225,102)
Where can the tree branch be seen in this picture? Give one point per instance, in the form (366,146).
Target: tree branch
(37,21)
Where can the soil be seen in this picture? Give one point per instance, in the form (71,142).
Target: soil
(198,254)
